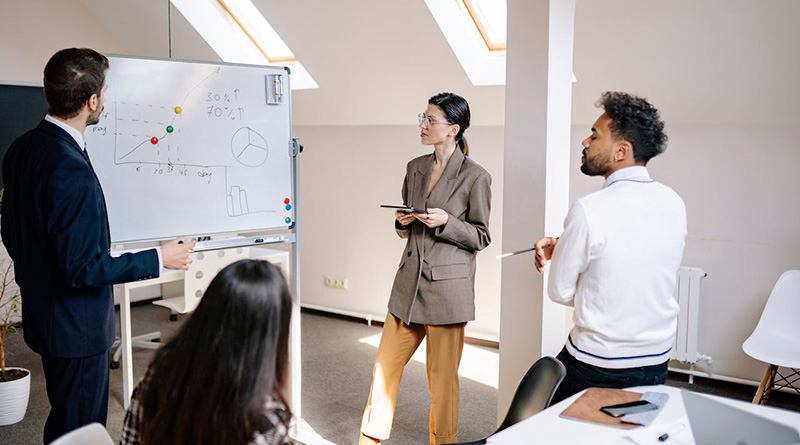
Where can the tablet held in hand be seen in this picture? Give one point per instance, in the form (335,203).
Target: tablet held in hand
(406,209)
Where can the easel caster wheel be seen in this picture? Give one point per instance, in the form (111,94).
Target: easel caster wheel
(113,365)
(173,317)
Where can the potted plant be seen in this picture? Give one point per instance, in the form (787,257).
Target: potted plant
(15,383)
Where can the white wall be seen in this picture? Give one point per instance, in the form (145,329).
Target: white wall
(32,31)
(739,184)
(346,173)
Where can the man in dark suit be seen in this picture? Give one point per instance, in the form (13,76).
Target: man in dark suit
(55,227)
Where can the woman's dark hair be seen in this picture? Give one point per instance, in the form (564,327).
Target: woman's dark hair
(633,119)
(71,76)
(210,384)
(456,110)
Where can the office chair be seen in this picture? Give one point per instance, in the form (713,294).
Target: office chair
(775,339)
(91,434)
(534,393)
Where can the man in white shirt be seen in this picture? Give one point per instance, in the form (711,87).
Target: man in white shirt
(617,260)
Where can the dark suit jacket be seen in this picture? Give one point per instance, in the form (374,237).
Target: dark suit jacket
(435,282)
(55,227)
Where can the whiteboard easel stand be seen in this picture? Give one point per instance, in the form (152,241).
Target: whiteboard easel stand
(294,332)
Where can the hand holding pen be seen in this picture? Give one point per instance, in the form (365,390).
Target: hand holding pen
(544,251)
(543,248)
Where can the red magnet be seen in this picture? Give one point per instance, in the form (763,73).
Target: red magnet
(286,201)
(154,140)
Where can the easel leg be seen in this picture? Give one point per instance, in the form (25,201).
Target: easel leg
(125,345)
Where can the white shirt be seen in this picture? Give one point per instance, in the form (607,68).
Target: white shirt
(78,136)
(617,263)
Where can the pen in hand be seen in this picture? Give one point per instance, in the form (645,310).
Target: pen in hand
(521,251)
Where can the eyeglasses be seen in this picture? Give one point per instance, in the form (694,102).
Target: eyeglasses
(426,121)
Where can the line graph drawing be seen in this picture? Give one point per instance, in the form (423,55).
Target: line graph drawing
(141,131)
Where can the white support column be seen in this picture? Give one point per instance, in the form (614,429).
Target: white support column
(536,179)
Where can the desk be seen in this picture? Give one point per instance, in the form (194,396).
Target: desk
(548,427)
(277,257)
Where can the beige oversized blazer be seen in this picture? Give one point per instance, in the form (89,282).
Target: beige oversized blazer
(435,282)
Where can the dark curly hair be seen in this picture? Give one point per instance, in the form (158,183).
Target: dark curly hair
(635,120)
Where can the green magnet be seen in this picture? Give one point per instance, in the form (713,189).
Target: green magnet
(170,129)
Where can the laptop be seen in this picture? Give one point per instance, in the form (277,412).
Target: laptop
(717,423)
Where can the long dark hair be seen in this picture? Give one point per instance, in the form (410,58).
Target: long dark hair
(456,109)
(210,383)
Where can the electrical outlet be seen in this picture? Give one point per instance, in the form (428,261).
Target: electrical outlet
(336,283)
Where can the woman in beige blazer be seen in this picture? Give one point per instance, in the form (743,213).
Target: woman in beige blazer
(433,296)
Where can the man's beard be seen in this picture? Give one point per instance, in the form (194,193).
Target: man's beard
(595,166)
(94,117)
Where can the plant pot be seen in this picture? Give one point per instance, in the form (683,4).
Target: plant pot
(14,398)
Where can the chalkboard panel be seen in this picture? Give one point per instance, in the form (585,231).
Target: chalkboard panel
(21,110)
(187,148)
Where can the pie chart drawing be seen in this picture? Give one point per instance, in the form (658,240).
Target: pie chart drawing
(249,147)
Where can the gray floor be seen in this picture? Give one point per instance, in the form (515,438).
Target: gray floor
(337,370)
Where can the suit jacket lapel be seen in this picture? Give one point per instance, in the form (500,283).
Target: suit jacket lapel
(447,183)
(53,129)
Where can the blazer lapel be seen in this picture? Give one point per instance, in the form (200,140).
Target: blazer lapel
(419,186)
(447,183)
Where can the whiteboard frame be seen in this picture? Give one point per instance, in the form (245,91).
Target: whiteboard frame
(293,170)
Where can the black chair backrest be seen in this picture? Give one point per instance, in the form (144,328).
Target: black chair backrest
(535,390)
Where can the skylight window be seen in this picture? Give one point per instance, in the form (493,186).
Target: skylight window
(239,33)
(476,31)
(489,17)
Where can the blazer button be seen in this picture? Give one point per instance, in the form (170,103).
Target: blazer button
(409,253)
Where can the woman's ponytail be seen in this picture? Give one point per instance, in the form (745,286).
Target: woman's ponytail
(456,109)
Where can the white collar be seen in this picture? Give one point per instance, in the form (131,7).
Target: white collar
(72,131)
(636,173)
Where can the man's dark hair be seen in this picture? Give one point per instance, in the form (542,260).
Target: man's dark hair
(70,78)
(635,120)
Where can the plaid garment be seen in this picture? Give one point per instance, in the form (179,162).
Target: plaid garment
(271,432)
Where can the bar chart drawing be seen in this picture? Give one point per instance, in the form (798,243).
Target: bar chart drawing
(237,201)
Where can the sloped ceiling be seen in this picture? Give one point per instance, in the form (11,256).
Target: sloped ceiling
(377,62)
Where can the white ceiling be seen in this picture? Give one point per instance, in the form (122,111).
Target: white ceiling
(376,62)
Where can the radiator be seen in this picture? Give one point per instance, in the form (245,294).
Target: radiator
(687,293)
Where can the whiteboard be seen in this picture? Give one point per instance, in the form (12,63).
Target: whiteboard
(191,149)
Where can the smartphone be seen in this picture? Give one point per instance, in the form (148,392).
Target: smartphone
(622,409)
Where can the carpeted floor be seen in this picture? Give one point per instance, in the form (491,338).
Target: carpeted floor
(337,368)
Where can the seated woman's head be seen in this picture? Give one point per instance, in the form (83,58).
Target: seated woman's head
(213,382)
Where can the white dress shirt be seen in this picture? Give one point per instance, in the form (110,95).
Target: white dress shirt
(616,263)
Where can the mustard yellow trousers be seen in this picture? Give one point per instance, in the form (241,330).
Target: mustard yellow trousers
(444,345)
